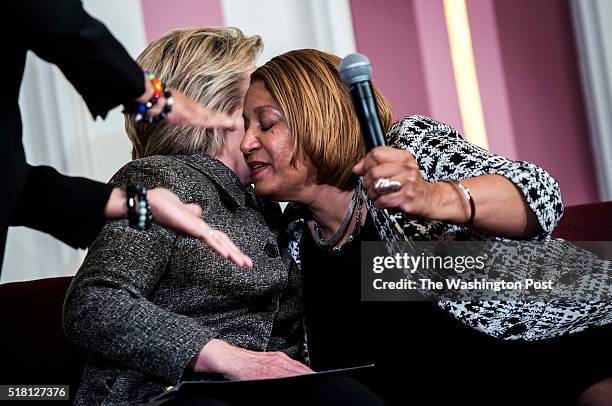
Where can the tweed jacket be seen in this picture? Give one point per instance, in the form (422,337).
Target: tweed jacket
(144,303)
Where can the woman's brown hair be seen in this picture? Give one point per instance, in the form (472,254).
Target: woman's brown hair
(318,110)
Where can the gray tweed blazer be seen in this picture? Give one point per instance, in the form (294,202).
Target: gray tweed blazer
(145,302)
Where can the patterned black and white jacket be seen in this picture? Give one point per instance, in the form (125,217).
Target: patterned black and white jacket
(443,154)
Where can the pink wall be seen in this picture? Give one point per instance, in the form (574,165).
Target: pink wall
(162,16)
(437,62)
(544,94)
(527,72)
(492,78)
(386,33)
(407,42)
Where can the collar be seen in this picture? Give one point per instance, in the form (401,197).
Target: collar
(226,180)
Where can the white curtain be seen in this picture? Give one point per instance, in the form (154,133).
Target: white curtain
(594,42)
(293,24)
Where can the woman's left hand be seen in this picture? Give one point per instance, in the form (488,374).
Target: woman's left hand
(415,196)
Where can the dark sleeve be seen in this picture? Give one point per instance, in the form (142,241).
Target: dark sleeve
(71,209)
(108,311)
(96,64)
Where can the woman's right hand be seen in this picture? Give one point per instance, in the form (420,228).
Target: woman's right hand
(237,364)
(186,111)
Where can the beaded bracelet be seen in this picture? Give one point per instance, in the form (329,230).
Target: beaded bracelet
(164,113)
(139,209)
(140,109)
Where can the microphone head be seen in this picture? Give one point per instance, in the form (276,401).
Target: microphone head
(355,68)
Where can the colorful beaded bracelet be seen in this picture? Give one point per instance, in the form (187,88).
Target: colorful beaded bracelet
(139,209)
(140,109)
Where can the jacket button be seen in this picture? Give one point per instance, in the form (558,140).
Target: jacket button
(271,250)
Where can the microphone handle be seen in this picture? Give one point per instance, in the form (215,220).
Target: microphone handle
(366,110)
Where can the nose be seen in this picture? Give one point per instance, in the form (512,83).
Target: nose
(250,142)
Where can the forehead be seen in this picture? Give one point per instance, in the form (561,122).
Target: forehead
(257,90)
(258,96)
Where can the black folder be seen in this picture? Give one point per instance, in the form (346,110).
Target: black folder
(221,388)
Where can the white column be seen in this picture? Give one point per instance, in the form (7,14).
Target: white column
(594,45)
(293,24)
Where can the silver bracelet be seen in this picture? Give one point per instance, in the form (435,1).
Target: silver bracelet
(468,196)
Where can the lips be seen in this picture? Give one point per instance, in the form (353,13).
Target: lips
(256,168)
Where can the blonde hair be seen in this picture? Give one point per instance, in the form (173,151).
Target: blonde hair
(207,65)
(317,108)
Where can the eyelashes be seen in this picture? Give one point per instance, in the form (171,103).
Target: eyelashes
(267,121)
(266,125)
(266,117)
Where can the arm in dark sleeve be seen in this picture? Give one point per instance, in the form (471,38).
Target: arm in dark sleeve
(107,309)
(90,57)
(71,209)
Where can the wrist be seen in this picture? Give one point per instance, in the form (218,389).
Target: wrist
(450,204)
(210,358)
(115,206)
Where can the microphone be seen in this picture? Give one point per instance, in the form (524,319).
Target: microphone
(356,71)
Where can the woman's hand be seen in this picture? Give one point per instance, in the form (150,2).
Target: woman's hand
(186,111)
(169,211)
(415,196)
(190,113)
(238,364)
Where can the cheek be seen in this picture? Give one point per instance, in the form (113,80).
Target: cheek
(280,154)
(282,176)
(279,174)
(289,180)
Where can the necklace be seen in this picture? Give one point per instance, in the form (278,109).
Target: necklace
(331,244)
(356,230)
